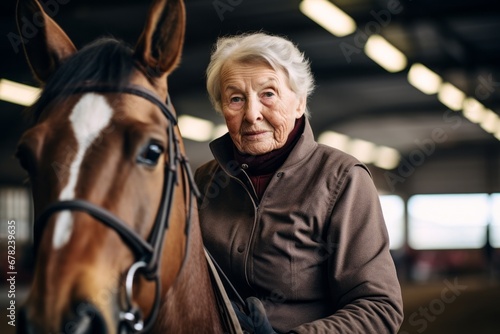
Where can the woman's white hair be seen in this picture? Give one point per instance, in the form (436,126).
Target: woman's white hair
(278,52)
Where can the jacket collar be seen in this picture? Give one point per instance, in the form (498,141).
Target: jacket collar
(222,150)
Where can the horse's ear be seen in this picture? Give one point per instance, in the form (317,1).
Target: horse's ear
(159,47)
(48,45)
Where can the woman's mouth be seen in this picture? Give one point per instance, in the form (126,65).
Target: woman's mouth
(254,135)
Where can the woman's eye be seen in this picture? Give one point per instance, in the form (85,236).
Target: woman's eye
(236,99)
(150,154)
(269,94)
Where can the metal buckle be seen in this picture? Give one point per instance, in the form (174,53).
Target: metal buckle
(132,316)
(132,319)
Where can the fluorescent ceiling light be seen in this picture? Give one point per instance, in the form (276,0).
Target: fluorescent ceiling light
(219,131)
(451,96)
(367,152)
(387,158)
(334,139)
(194,128)
(474,111)
(18,93)
(385,54)
(364,150)
(497,134)
(490,122)
(424,79)
(328,16)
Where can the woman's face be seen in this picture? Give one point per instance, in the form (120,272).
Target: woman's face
(259,107)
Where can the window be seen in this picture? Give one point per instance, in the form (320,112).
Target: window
(393,209)
(452,221)
(15,205)
(495,221)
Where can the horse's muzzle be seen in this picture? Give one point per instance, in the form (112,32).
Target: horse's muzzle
(85,319)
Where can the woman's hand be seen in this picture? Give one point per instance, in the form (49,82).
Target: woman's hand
(255,321)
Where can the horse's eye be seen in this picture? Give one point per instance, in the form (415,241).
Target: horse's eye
(150,154)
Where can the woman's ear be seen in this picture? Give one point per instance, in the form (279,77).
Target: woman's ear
(159,47)
(49,46)
(301,107)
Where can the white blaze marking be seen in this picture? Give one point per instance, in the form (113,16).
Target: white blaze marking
(89,117)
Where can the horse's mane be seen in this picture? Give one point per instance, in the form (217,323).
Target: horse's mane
(106,61)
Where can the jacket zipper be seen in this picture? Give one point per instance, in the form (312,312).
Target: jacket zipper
(252,194)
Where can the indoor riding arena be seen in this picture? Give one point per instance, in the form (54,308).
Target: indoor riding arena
(410,88)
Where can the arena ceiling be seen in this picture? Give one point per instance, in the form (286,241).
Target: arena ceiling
(457,39)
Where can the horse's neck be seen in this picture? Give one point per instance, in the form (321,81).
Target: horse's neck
(191,298)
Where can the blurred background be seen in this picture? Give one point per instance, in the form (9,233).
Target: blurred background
(410,87)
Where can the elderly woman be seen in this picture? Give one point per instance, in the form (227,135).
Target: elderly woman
(294,223)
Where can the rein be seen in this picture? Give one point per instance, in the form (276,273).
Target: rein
(147,253)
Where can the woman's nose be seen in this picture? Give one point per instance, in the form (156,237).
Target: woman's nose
(253,110)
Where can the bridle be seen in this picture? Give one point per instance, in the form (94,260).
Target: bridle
(147,253)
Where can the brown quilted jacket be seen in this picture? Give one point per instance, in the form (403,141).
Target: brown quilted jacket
(314,249)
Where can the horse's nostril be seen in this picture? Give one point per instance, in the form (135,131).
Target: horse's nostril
(86,320)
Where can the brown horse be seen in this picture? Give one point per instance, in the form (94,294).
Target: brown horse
(116,237)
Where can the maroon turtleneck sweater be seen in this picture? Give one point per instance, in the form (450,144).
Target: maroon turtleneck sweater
(260,168)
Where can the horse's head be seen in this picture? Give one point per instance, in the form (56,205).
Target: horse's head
(99,148)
